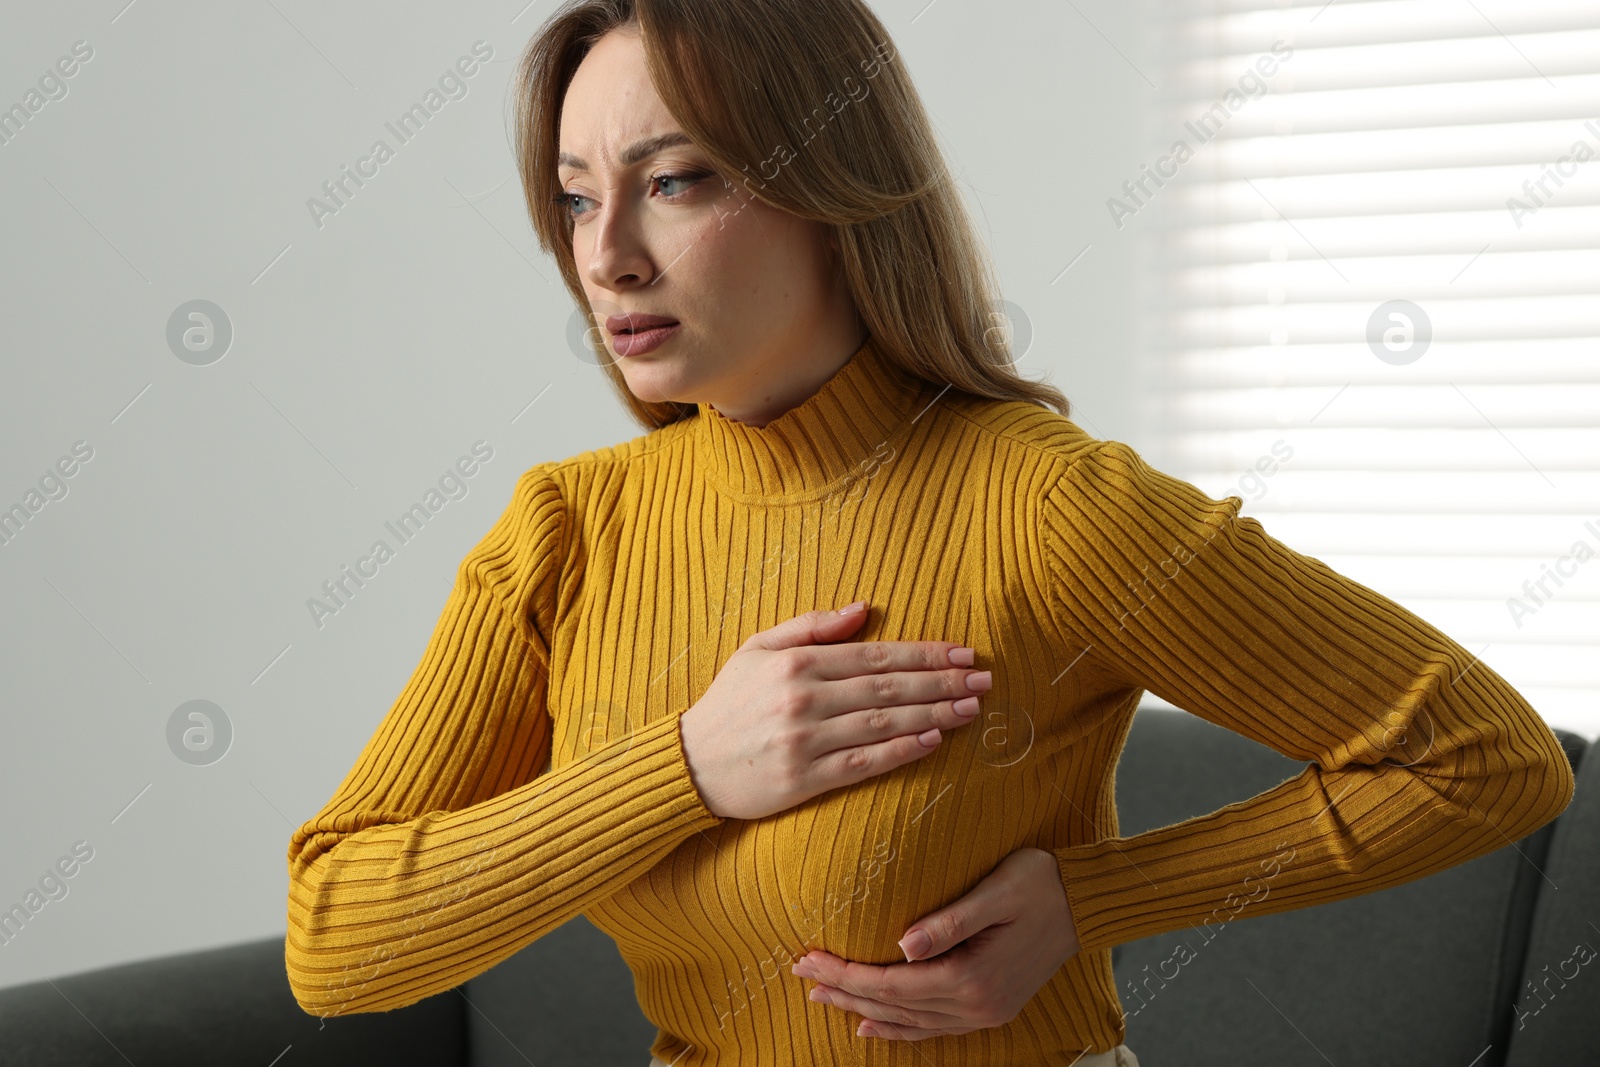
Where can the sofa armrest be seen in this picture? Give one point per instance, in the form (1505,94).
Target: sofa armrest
(222,1006)
(564,1000)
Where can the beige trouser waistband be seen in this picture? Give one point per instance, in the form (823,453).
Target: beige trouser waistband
(1121,1056)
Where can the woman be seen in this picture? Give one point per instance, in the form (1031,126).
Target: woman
(636,705)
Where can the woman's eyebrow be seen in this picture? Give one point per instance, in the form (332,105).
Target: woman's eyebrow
(634,152)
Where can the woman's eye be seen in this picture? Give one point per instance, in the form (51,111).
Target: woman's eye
(685,180)
(566,202)
(569,201)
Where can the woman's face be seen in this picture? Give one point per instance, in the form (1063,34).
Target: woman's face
(762,309)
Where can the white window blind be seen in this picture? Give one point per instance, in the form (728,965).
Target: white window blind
(1445,153)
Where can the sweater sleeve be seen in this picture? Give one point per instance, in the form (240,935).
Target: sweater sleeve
(1420,756)
(449,846)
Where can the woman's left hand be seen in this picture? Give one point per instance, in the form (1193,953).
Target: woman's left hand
(986,955)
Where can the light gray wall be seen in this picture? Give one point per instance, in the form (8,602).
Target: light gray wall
(367,355)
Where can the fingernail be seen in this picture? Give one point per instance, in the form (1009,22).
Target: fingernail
(966,706)
(961,657)
(916,943)
(803,969)
(853,609)
(820,995)
(930,738)
(980,682)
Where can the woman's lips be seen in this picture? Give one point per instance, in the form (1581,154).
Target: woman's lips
(645,340)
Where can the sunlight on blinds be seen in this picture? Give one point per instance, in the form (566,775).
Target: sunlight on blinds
(1373,232)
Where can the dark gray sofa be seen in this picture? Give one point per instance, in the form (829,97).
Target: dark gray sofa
(1483,965)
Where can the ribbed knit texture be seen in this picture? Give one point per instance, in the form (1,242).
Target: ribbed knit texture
(532,768)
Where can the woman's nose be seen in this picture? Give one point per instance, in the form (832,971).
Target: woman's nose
(618,257)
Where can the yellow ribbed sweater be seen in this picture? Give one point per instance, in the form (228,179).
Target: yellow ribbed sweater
(532,768)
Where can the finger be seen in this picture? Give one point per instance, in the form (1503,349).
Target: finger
(895,1014)
(916,689)
(809,628)
(864,659)
(928,985)
(848,766)
(832,662)
(891,1032)
(874,725)
(942,930)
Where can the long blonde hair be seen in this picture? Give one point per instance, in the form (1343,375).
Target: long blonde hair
(743,77)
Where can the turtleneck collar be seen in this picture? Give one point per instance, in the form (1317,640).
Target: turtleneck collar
(809,450)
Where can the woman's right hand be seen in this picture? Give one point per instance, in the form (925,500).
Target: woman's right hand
(789,717)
